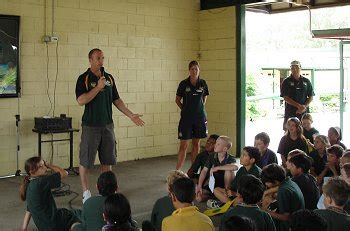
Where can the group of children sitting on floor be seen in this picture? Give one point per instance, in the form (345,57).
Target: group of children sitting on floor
(310,191)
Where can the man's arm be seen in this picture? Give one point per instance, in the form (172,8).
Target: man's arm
(90,95)
(204,99)
(301,108)
(201,180)
(178,101)
(308,101)
(134,117)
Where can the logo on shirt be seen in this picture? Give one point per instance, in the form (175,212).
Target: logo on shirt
(201,89)
(304,83)
(291,83)
(180,134)
(93,84)
(188,89)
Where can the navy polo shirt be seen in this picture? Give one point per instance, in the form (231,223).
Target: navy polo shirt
(298,90)
(192,98)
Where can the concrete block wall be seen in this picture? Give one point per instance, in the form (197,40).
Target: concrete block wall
(147,46)
(217,43)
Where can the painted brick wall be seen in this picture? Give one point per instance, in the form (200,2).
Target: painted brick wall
(217,43)
(147,46)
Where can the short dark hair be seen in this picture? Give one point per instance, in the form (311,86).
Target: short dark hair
(239,223)
(193,63)
(307,220)
(107,183)
(273,172)
(184,190)
(214,136)
(91,52)
(336,149)
(117,211)
(253,153)
(264,137)
(346,168)
(302,161)
(337,189)
(251,189)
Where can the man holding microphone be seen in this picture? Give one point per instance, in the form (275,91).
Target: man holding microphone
(96,90)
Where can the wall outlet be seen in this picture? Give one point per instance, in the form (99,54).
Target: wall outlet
(50,39)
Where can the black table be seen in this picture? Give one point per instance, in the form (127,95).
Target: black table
(70,169)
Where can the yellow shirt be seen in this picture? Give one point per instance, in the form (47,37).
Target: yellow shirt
(188,218)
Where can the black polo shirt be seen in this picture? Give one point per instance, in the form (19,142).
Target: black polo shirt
(310,134)
(199,162)
(298,90)
(287,144)
(98,112)
(309,188)
(213,161)
(192,98)
(318,163)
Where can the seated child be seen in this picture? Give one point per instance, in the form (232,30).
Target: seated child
(306,220)
(36,190)
(336,192)
(249,157)
(92,211)
(202,157)
(261,142)
(332,168)
(239,223)
(221,165)
(250,191)
(186,217)
(291,154)
(163,206)
(117,213)
(299,167)
(308,131)
(345,175)
(289,195)
(293,139)
(345,158)
(335,136)
(319,156)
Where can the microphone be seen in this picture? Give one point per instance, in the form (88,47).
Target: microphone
(102,69)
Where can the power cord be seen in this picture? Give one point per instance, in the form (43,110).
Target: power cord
(64,190)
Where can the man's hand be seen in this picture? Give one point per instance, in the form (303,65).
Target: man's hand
(301,109)
(199,192)
(101,83)
(137,120)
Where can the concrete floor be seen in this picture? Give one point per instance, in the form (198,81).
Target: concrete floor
(142,181)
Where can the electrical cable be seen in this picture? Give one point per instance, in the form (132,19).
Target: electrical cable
(47,77)
(54,90)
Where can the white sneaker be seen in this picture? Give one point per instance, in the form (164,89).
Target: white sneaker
(86,195)
(213,204)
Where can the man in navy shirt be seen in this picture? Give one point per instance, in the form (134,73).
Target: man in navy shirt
(297,93)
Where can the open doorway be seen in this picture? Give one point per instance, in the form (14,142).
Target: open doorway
(272,42)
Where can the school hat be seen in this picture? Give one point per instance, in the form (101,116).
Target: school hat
(295,63)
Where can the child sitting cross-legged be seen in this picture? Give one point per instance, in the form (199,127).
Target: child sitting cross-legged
(249,157)
(221,166)
(250,191)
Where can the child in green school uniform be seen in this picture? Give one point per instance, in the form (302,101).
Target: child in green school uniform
(289,195)
(250,191)
(36,191)
(336,194)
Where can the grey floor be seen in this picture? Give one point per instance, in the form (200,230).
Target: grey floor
(142,181)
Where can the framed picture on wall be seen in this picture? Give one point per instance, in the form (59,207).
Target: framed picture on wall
(9,56)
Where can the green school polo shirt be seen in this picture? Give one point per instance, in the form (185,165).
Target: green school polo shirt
(262,219)
(254,170)
(98,112)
